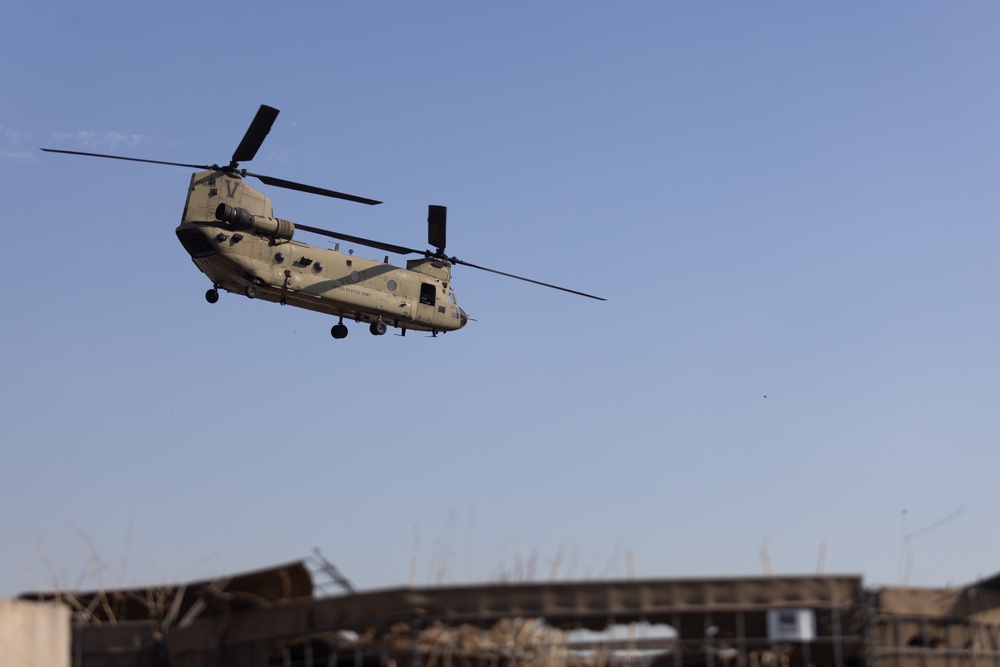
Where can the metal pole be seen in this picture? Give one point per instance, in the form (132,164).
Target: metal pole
(678,640)
(741,638)
(838,648)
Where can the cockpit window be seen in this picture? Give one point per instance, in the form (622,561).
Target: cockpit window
(451,298)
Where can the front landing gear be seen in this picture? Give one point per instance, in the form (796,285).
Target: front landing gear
(378,328)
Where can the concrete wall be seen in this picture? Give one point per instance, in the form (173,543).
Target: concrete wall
(34,634)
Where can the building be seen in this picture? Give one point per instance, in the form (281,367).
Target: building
(273,617)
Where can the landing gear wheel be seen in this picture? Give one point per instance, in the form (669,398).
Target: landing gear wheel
(378,328)
(339,331)
(251,291)
(212,295)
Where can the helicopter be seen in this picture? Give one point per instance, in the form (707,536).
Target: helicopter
(229,230)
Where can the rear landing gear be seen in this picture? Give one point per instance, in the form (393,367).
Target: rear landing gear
(251,291)
(212,295)
(378,328)
(339,331)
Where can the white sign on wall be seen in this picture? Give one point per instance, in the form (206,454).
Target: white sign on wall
(791,625)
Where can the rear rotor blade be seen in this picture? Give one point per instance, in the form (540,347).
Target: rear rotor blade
(437,221)
(131,159)
(256,134)
(312,189)
(389,247)
(455,260)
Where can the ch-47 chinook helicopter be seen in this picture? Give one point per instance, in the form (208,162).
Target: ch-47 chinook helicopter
(230,232)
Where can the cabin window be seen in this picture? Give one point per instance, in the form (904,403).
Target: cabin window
(427,295)
(355,276)
(318,267)
(391,285)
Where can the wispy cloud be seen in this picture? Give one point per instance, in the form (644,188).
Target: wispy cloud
(15,155)
(14,136)
(15,145)
(99,140)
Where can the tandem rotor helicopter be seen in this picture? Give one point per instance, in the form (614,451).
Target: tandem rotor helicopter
(230,232)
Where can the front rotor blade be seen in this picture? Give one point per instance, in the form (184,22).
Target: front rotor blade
(455,260)
(312,189)
(389,247)
(256,134)
(129,159)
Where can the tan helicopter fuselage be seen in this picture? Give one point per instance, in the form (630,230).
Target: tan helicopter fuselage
(260,259)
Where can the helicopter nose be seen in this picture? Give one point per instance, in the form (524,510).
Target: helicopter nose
(463,317)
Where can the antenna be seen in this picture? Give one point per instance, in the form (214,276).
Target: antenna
(906,544)
(765,558)
(821,563)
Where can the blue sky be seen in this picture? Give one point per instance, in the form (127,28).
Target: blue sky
(788,200)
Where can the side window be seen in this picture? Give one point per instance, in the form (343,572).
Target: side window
(427,295)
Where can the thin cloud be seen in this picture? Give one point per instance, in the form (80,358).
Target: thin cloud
(16,155)
(99,140)
(15,145)
(14,136)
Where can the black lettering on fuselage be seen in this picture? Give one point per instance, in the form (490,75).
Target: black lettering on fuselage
(231,188)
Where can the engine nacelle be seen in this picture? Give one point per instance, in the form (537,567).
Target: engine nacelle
(431,266)
(241,219)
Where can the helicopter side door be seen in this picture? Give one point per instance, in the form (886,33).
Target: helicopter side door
(428,302)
